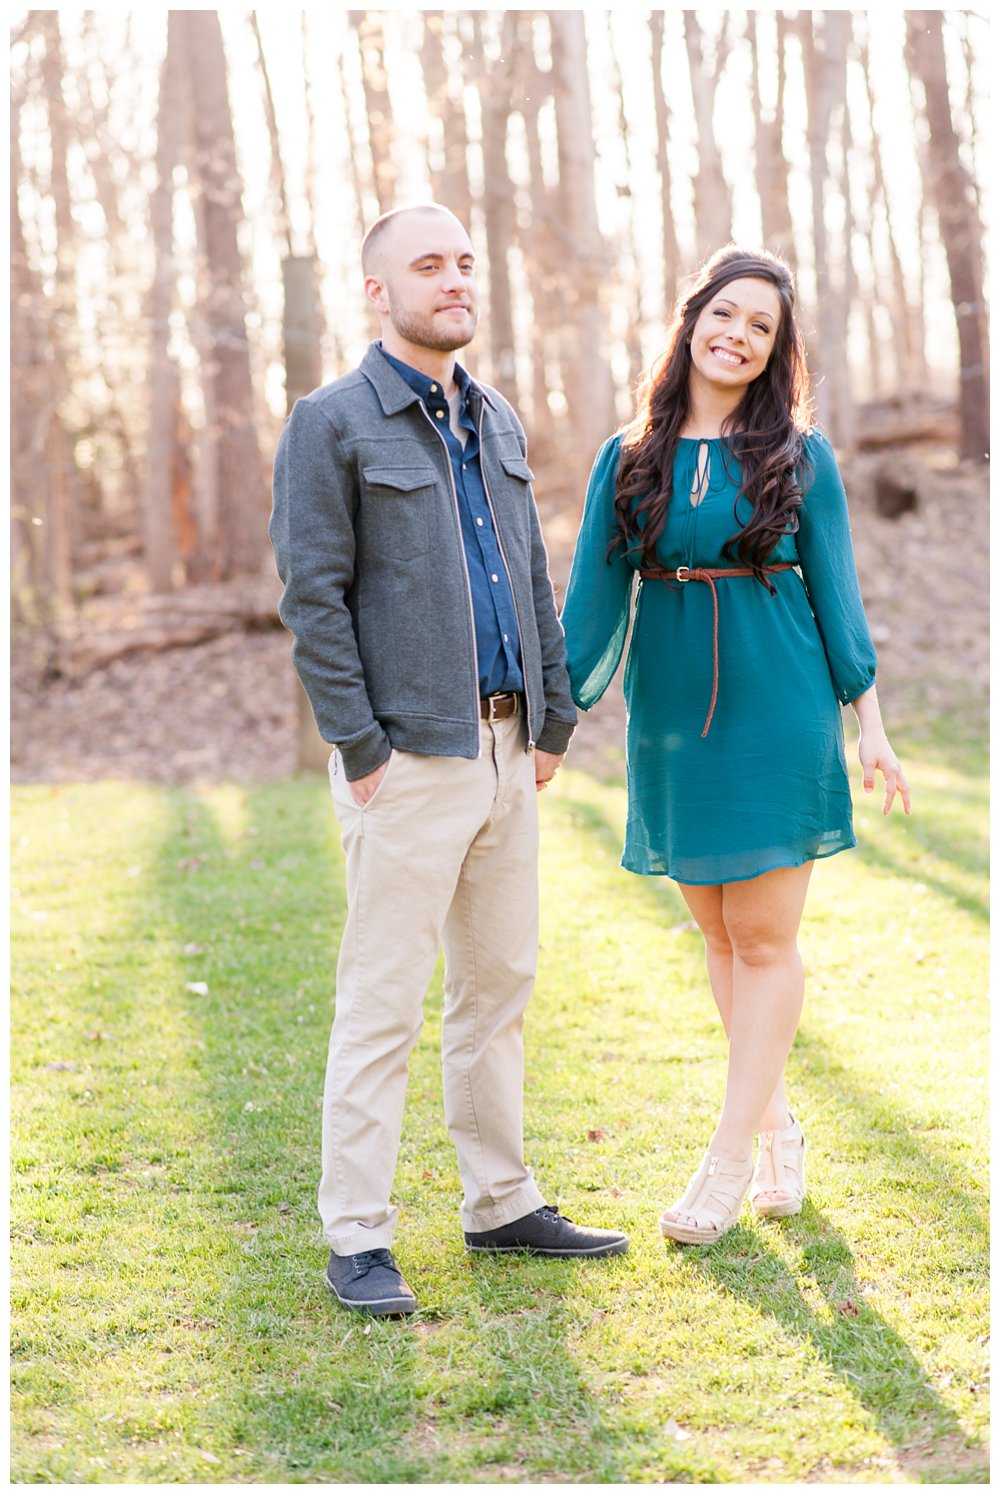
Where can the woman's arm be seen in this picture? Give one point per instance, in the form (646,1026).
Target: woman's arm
(598,597)
(876,754)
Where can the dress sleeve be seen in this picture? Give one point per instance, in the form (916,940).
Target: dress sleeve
(826,558)
(596,614)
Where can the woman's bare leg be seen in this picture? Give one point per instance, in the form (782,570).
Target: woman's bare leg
(705,905)
(751,931)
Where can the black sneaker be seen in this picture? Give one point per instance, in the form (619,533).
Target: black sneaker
(547,1232)
(370,1282)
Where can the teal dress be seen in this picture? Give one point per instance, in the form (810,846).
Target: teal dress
(768,785)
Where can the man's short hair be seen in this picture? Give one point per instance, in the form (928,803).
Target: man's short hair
(370,243)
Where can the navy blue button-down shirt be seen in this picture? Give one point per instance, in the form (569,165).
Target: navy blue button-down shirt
(498,644)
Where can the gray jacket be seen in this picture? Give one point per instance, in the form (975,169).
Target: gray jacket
(366,536)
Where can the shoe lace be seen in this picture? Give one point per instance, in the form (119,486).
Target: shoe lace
(366,1260)
(554,1213)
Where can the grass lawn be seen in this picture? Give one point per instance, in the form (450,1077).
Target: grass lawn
(174,956)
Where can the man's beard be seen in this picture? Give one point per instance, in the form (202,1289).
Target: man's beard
(428,332)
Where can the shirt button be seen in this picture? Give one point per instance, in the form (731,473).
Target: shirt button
(439,414)
(434,389)
(505,638)
(480,523)
(494,577)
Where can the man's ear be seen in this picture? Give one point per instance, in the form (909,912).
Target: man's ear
(375,293)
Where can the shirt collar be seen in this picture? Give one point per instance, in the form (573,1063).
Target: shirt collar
(429,390)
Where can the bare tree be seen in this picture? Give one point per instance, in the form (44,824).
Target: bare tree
(713,208)
(240,534)
(378,107)
(64,511)
(39,567)
(448,149)
(164,376)
(671,252)
(494,82)
(586,377)
(824,43)
(772,167)
(949,189)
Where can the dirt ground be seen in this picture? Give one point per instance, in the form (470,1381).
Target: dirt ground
(228,709)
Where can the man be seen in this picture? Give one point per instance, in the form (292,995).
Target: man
(427,639)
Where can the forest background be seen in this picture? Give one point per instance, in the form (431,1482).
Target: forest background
(189,191)
(188,194)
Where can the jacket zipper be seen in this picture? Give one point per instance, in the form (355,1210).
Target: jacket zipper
(465,568)
(510,583)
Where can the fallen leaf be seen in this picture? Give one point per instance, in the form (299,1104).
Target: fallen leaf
(599,1134)
(848,1308)
(97,1037)
(284,1208)
(61,1068)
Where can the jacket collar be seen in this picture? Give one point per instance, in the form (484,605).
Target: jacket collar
(393,391)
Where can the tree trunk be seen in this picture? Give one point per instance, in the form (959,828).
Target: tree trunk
(586,376)
(494,84)
(903,316)
(772,168)
(375,81)
(627,279)
(824,46)
(32,411)
(277,173)
(541,253)
(949,189)
(303,372)
(62,528)
(671,252)
(448,151)
(164,377)
(243,506)
(713,208)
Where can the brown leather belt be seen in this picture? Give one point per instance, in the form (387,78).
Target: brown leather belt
(685,573)
(499,707)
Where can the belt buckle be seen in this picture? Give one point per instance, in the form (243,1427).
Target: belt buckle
(684,573)
(492,712)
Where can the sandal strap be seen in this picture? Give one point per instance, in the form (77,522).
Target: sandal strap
(781,1162)
(716,1192)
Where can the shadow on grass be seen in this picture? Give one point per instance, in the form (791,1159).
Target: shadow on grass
(301,1387)
(849,1335)
(489,1384)
(962,855)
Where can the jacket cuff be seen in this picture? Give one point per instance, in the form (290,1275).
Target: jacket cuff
(362,754)
(554,736)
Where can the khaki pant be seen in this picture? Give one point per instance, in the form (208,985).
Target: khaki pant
(445,852)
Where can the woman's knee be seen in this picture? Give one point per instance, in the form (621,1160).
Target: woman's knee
(761,944)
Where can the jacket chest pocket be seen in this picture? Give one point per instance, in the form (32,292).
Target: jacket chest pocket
(396,511)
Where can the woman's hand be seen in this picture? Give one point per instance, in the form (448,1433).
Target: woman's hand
(878,757)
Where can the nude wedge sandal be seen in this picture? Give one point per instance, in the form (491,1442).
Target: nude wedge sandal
(713,1199)
(781,1168)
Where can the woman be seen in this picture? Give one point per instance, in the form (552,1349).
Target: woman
(748,634)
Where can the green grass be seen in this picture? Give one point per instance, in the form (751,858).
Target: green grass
(170,1322)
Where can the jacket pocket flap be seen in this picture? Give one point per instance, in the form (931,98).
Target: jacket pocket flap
(405,479)
(517,467)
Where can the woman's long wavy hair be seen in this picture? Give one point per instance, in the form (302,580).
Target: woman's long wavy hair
(766,428)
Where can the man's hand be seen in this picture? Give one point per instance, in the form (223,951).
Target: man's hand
(546,764)
(363,788)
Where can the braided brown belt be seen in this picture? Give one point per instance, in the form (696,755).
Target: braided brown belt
(710,575)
